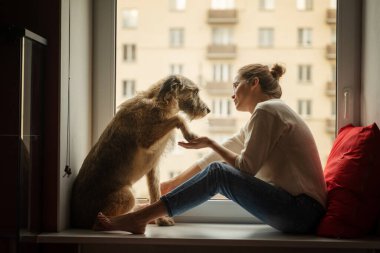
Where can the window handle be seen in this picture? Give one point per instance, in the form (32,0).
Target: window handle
(345,114)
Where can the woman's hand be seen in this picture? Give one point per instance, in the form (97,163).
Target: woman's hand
(197,143)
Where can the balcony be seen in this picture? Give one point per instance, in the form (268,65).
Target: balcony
(331,16)
(331,51)
(330,125)
(222,16)
(331,89)
(222,124)
(219,88)
(221,51)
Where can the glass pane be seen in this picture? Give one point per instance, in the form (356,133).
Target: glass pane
(311,45)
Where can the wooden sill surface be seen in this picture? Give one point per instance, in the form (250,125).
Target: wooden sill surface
(202,234)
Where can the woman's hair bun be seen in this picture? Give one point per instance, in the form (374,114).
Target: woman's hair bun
(277,71)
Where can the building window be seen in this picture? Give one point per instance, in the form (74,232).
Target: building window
(176,37)
(222,72)
(221,107)
(222,4)
(304,73)
(130,18)
(304,107)
(129,88)
(222,36)
(304,37)
(267,5)
(176,69)
(266,37)
(177,5)
(129,52)
(304,5)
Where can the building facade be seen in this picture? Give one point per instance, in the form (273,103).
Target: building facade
(208,41)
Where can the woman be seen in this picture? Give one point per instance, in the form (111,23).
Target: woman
(271,167)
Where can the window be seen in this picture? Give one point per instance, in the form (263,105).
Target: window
(221,107)
(129,52)
(267,5)
(176,37)
(304,107)
(304,73)
(266,37)
(222,72)
(222,36)
(204,70)
(176,69)
(304,37)
(130,18)
(304,5)
(128,88)
(222,4)
(177,5)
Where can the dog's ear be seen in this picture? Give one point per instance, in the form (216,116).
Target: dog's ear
(169,88)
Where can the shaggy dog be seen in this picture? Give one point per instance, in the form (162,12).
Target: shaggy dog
(130,147)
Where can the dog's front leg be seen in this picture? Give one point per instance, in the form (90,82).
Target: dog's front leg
(154,193)
(162,128)
(187,134)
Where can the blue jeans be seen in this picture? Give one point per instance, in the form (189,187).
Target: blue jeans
(272,205)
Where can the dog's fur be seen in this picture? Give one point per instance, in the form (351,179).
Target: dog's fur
(130,147)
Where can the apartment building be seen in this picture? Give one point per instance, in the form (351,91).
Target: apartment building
(208,41)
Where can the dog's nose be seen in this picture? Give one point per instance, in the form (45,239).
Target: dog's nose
(208,110)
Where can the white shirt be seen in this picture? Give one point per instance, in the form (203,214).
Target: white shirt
(277,146)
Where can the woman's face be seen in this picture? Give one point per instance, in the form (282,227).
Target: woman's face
(242,94)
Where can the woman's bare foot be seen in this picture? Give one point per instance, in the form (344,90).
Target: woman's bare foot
(125,222)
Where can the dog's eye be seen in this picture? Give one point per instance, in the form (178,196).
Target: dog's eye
(196,92)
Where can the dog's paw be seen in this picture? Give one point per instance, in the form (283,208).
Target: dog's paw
(190,136)
(165,221)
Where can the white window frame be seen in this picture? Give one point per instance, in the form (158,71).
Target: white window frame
(222,72)
(129,52)
(304,73)
(221,107)
(177,5)
(305,36)
(305,107)
(348,90)
(222,36)
(304,5)
(176,69)
(222,4)
(130,18)
(176,37)
(267,5)
(128,88)
(266,37)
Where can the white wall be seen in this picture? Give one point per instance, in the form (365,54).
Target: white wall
(76,21)
(370,111)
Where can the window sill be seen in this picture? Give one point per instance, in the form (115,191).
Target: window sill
(202,234)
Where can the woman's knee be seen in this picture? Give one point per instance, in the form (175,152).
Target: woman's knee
(216,169)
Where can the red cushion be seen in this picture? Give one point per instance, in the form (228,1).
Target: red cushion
(352,175)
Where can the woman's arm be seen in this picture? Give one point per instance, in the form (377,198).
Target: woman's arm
(172,183)
(204,142)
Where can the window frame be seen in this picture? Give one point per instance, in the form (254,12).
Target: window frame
(348,87)
(267,5)
(130,21)
(266,37)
